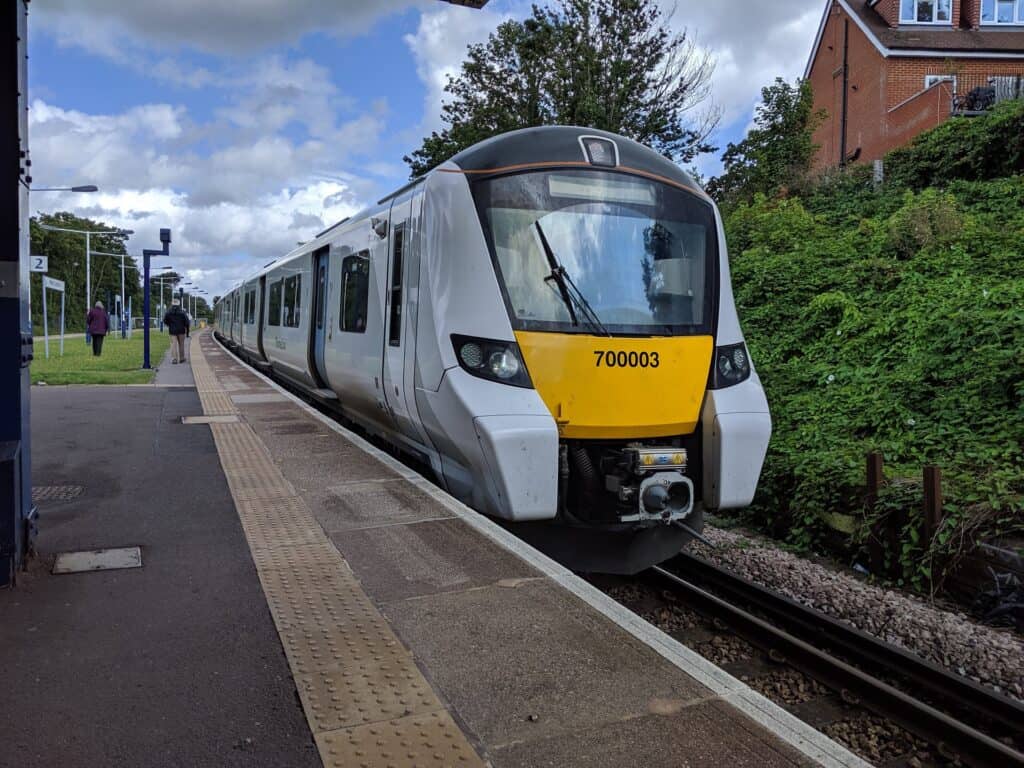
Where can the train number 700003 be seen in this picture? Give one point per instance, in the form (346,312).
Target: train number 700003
(621,359)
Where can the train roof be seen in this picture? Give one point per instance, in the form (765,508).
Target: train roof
(554,144)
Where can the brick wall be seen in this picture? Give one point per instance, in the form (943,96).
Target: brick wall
(866,97)
(905,77)
(916,115)
(887,101)
(970,14)
(890,11)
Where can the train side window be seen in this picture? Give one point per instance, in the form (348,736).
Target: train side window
(395,320)
(274,310)
(321,290)
(292,298)
(355,292)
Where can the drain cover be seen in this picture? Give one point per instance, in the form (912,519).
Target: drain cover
(56,492)
(98,560)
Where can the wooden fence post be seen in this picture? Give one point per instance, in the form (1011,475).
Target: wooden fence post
(932,504)
(875,479)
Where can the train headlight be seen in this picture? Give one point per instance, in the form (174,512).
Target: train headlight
(503,364)
(471,355)
(493,360)
(732,365)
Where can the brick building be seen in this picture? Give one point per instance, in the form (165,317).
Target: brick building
(886,70)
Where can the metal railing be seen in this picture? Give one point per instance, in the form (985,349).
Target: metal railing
(976,94)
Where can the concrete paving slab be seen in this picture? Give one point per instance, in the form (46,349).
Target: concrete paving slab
(175,374)
(371,503)
(426,558)
(504,654)
(98,560)
(695,736)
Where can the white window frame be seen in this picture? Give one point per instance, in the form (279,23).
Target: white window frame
(914,20)
(1018,14)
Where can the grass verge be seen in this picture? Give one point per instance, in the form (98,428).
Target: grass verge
(120,363)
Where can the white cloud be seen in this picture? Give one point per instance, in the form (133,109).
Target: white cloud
(439,48)
(107,27)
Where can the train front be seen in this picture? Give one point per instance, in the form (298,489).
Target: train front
(612,267)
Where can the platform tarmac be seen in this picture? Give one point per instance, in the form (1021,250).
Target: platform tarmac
(305,597)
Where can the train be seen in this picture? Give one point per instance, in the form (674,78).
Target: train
(546,322)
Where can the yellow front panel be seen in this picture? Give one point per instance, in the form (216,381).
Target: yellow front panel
(651,387)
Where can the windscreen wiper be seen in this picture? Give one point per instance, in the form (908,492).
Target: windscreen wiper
(571,295)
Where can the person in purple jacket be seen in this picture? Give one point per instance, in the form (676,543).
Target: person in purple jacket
(98,324)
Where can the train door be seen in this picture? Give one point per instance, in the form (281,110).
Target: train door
(318,338)
(262,297)
(396,340)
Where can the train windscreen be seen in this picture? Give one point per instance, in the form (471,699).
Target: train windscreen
(586,251)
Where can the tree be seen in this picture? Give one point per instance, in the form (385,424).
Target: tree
(66,255)
(607,64)
(777,153)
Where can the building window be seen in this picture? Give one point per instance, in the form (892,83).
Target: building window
(274,310)
(1002,12)
(355,292)
(925,11)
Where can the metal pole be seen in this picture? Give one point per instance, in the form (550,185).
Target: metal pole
(88,293)
(46,325)
(145,310)
(62,323)
(123,323)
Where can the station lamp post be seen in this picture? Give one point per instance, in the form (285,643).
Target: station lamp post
(88,275)
(165,240)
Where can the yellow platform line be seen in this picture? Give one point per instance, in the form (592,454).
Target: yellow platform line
(364,698)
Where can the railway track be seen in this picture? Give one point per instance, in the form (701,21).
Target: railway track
(959,718)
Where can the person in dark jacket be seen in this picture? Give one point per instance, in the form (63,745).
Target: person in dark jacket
(98,325)
(178,326)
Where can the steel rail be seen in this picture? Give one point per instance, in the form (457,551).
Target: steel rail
(970,701)
(947,733)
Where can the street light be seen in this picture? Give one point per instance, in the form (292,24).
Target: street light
(83,188)
(88,275)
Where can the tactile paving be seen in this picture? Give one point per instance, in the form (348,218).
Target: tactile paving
(418,741)
(365,699)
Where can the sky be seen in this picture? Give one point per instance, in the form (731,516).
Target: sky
(248,127)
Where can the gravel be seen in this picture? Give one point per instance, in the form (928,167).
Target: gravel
(989,656)
(786,685)
(876,739)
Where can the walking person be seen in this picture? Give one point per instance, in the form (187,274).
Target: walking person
(97,325)
(178,326)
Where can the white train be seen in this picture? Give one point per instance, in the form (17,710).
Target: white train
(546,320)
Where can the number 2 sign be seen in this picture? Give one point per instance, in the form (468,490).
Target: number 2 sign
(38,263)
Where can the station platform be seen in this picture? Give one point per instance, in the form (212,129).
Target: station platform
(306,599)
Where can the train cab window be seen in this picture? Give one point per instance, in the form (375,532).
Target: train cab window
(292,301)
(355,292)
(274,310)
(395,314)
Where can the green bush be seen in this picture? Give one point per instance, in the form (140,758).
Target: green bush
(986,147)
(890,321)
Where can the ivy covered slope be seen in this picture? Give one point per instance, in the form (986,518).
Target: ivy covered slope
(890,320)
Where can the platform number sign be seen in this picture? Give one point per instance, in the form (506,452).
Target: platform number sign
(39,263)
